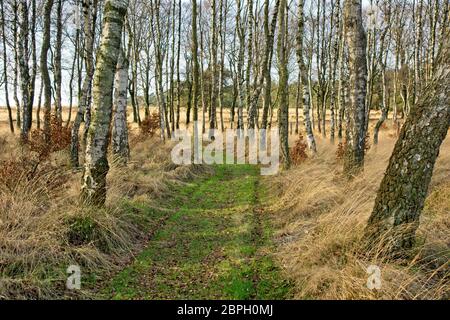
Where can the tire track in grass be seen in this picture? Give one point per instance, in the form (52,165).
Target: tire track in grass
(216,245)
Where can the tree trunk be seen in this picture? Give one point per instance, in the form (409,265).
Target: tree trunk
(240,66)
(164,123)
(355,111)
(57,74)
(303,78)
(417,50)
(402,193)
(38,110)
(195,82)
(44,70)
(72,75)
(283,86)
(235,92)
(214,44)
(249,27)
(89,34)
(384,52)
(177,124)
(93,189)
(34,63)
(5,70)
(25,79)
(16,65)
(371,63)
(223,5)
(333,63)
(202,71)
(269,34)
(189,82)
(131,82)
(172,71)
(120,147)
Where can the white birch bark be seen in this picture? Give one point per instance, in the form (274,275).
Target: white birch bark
(93,189)
(120,146)
(355,112)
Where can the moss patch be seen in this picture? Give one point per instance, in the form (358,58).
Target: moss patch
(216,245)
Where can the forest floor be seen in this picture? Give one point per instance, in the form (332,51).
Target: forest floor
(210,232)
(215,244)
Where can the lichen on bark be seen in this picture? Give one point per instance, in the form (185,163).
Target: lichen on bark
(93,189)
(402,193)
(355,112)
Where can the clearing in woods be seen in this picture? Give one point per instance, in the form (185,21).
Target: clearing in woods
(216,245)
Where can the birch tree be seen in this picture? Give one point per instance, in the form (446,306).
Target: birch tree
(265,76)
(214,44)
(44,70)
(283,86)
(89,16)
(303,77)
(58,57)
(93,189)
(240,65)
(401,196)
(333,64)
(384,50)
(250,23)
(5,68)
(223,5)
(120,146)
(25,79)
(418,18)
(195,71)
(355,111)
(177,121)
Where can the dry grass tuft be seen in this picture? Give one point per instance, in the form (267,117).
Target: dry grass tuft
(320,218)
(43,228)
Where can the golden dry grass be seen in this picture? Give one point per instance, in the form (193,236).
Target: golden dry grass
(37,217)
(318,216)
(320,220)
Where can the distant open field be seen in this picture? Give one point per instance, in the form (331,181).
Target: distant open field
(226,114)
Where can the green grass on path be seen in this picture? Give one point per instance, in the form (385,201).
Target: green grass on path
(215,246)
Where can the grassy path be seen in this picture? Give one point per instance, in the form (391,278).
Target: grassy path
(215,246)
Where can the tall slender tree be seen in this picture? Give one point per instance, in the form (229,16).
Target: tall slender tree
(355,111)
(93,189)
(401,196)
(303,77)
(25,79)
(89,16)
(195,72)
(179,89)
(283,87)
(44,70)
(58,57)
(5,68)
(120,146)
(240,28)
(223,5)
(16,64)
(269,34)
(214,44)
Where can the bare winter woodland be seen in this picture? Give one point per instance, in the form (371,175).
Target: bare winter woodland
(93,94)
